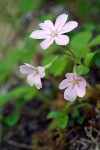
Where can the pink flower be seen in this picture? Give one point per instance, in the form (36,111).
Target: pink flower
(74,86)
(51,32)
(34,74)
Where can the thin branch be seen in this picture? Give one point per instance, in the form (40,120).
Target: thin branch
(19,145)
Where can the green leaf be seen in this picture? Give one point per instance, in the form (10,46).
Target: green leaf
(81,105)
(95,41)
(81,70)
(75,113)
(55,114)
(12,119)
(89,59)
(59,66)
(79,44)
(88,26)
(51,50)
(80,120)
(97,58)
(47,60)
(63,122)
(59,123)
(60,120)
(53,125)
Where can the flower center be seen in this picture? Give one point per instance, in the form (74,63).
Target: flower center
(54,34)
(75,81)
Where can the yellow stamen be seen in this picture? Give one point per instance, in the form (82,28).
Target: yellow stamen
(54,35)
(75,81)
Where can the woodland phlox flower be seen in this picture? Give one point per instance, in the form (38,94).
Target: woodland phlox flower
(51,32)
(34,74)
(74,86)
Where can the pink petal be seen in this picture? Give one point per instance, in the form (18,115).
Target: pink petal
(64,84)
(37,81)
(71,76)
(62,40)
(82,81)
(70,93)
(69,27)
(60,21)
(47,25)
(38,34)
(31,79)
(30,66)
(41,71)
(43,26)
(27,69)
(81,91)
(46,43)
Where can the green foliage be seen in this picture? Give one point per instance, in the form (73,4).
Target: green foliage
(80,120)
(53,125)
(63,121)
(51,50)
(61,117)
(79,44)
(81,105)
(16,48)
(68,105)
(89,27)
(26,92)
(97,58)
(60,64)
(29,5)
(55,114)
(47,60)
(75,113)
(89,59)
(83,8)
(95,41)
(23,54)
(12,119)
(81,70)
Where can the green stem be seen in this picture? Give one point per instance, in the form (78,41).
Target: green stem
(72,53)
(74,68)
(68,55)
(51,63)
(75,59)
(57,57)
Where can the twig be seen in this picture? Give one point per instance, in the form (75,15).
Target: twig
(89,134)
(19,144)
